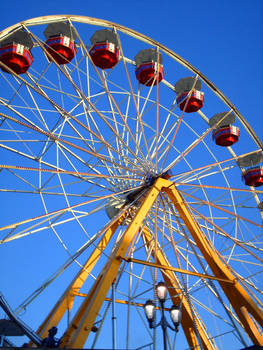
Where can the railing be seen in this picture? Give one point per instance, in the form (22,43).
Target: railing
(29,332)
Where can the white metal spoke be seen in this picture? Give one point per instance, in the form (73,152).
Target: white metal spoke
(80,148)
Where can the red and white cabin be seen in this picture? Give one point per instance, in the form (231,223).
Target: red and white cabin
(61,48)
(193,103)
(15,52)
(104,51)
(253,176)
(147,73)
(104,55)
(60,42)
(149,69)
(17,57)
(226,135)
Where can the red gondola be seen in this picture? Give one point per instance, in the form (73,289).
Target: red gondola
(60,42)
(104,55)
(194,102)
(61,48)
(253,176)
(16,57)
(148,66)
(146,72)
(226,135)
(104,51)
(15,52)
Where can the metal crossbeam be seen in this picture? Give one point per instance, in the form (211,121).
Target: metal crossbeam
(175,269)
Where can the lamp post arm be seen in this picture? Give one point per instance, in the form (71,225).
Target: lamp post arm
(153,326)
(171,327)
(164,323)
(175,313)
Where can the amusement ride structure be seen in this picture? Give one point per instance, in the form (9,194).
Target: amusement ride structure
(121,166)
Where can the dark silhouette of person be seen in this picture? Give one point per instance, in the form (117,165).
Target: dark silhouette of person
(51,341)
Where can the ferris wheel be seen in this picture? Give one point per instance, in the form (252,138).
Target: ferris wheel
(122,165)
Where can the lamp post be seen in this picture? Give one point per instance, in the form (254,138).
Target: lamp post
(150,311)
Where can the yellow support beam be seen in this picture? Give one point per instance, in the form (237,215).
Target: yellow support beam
(121,301)
(237,295)
(66,300)
(80,327)
(191,325)
(175,269)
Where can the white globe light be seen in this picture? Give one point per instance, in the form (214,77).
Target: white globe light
(176,316)
(149,309)
(161,291)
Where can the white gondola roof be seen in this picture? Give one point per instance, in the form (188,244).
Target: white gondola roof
(250,160)
(19,37)
(223,119)
(148,55)
(60,28)
(104,35)
(186,84)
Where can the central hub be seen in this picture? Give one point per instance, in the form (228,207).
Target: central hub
(134,196)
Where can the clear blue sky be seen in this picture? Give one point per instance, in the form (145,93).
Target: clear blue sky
(221,38)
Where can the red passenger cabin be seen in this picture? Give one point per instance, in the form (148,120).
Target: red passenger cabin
(253,176)
(105,49)
(60,42)
(15,52)
(225,134)
(149,65)
(189,97)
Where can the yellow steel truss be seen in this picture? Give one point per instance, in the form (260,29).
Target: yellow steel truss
(250,316)
(236,294)
(82,323)
(65,302)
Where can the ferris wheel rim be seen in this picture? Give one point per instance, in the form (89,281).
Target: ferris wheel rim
(41,20)
(146,39)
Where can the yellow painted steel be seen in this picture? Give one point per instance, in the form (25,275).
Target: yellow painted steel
(66,300)
(192,327)
(240,300)
(124,302)
(175,269)
(80,327)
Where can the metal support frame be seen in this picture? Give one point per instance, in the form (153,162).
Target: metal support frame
(80,327)
(194,329)
(66,300)
(237,295)
(175,269)
(114,334)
